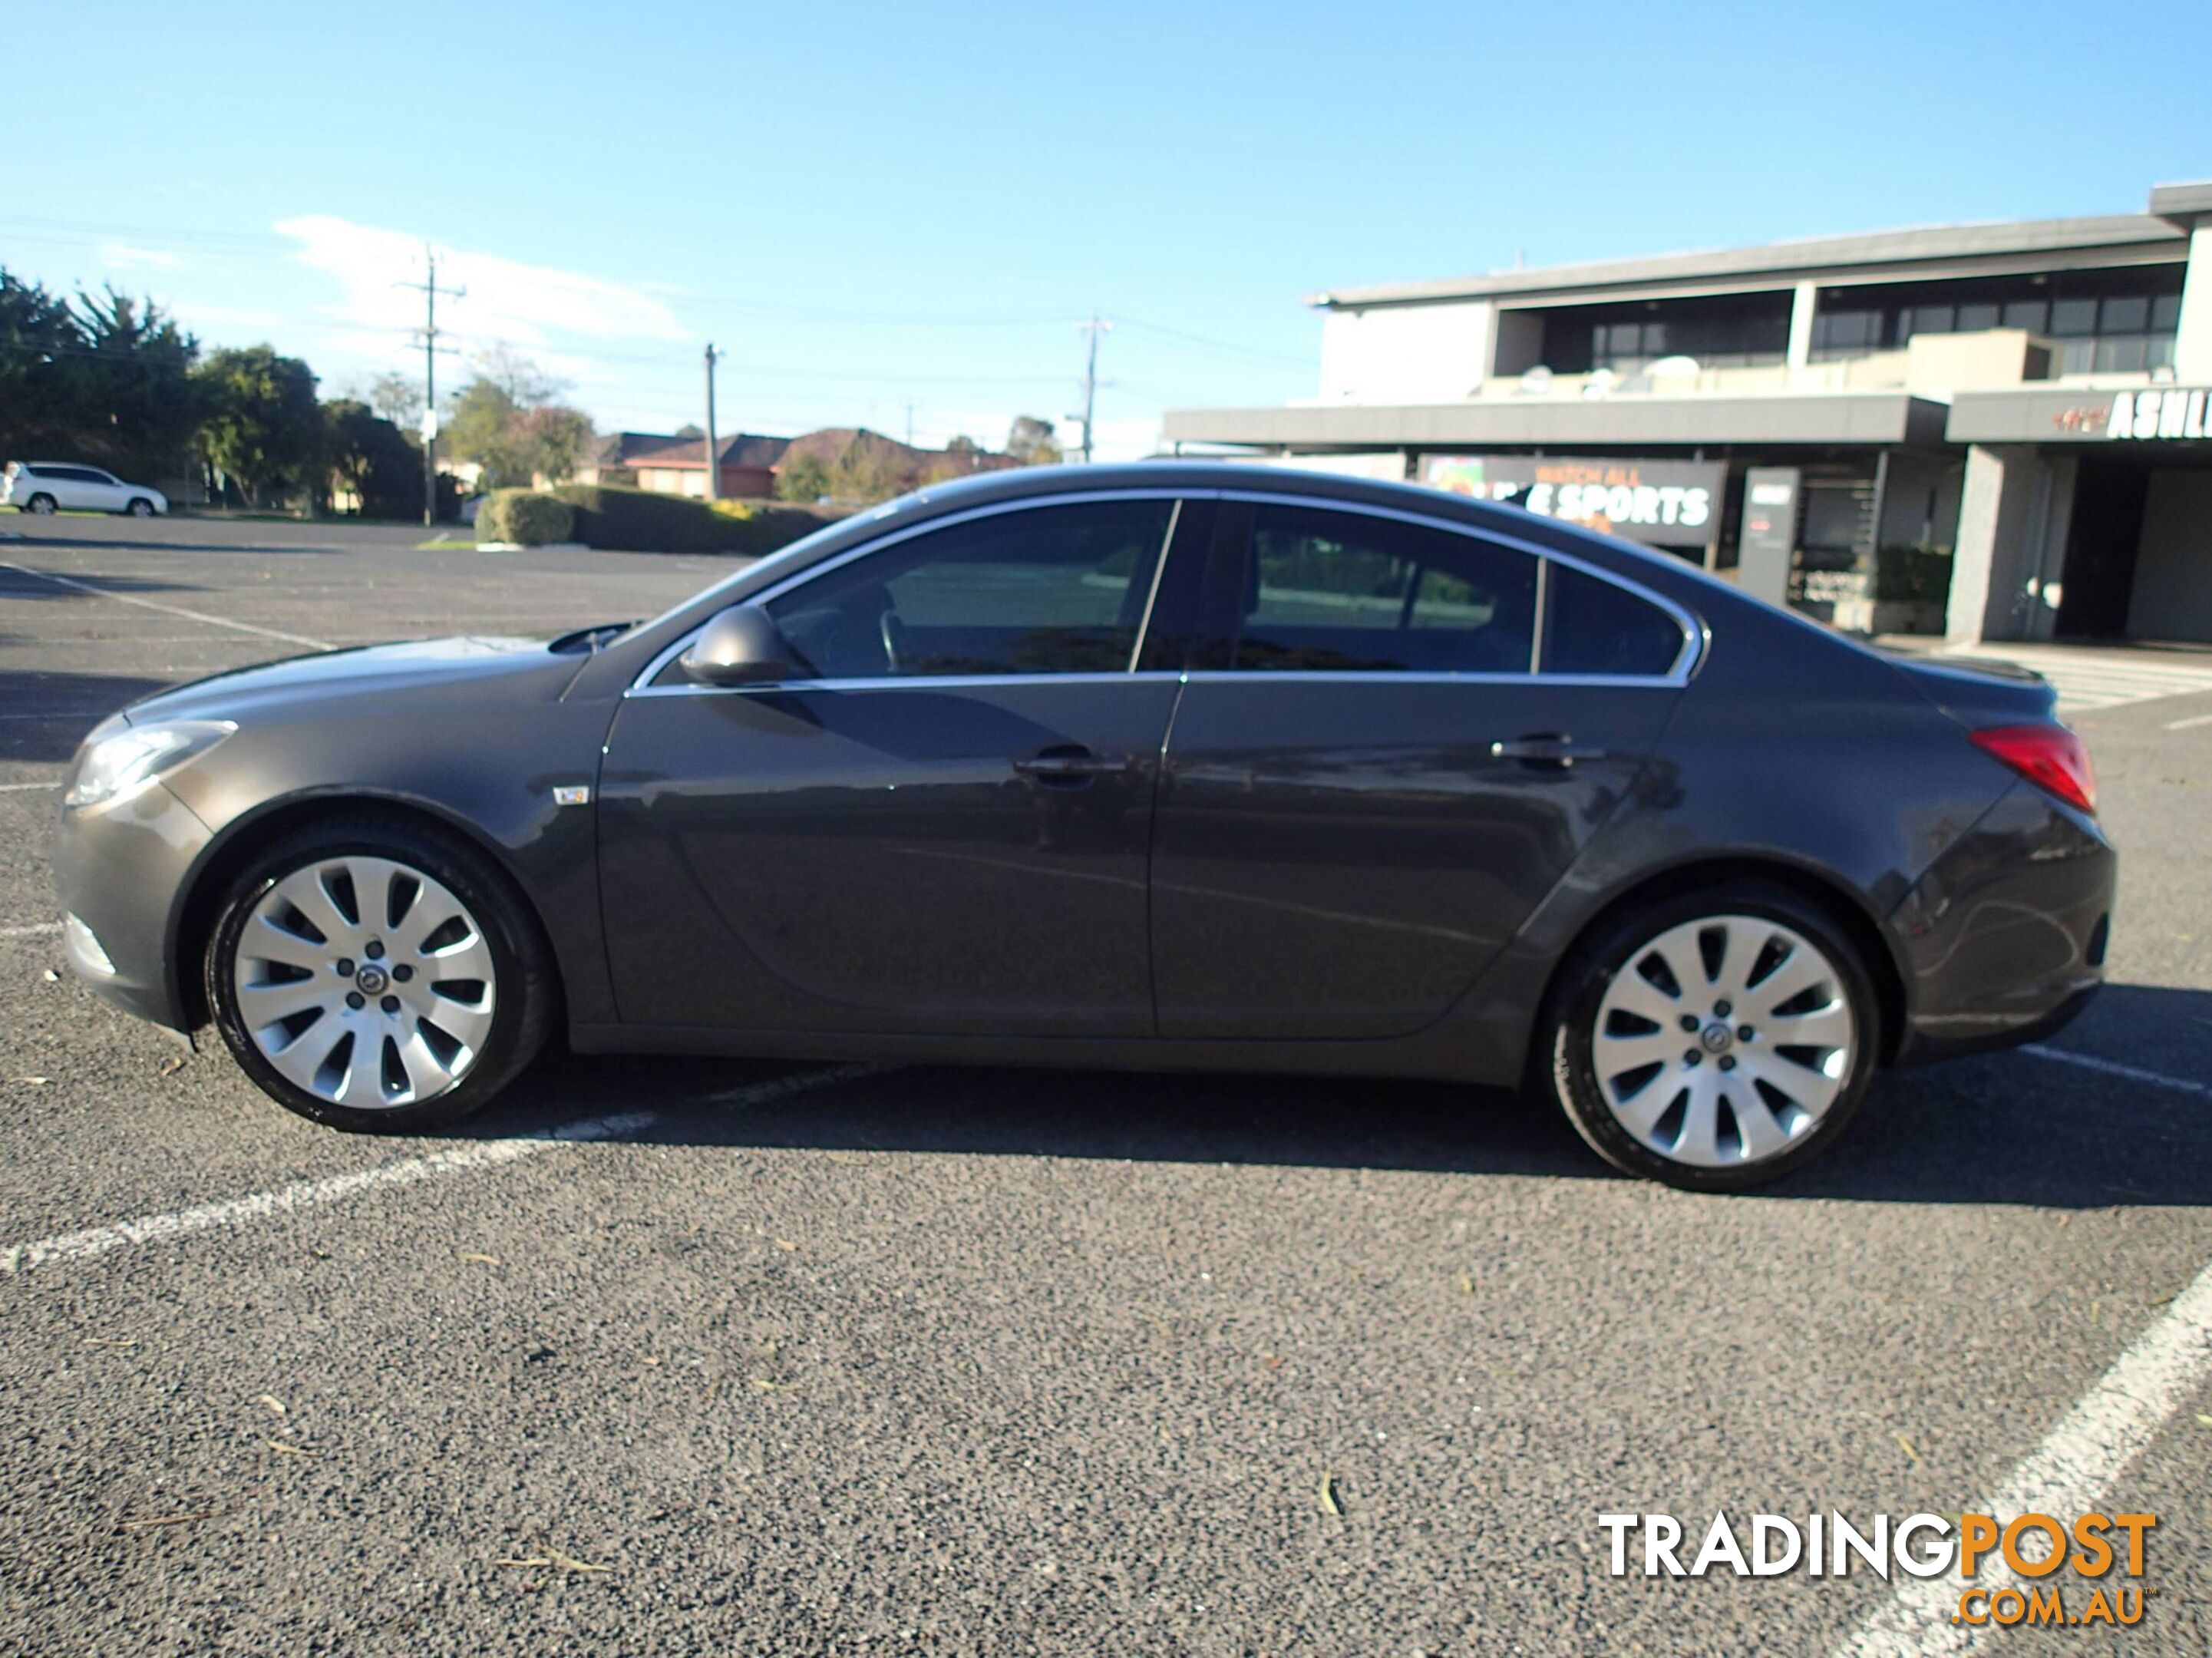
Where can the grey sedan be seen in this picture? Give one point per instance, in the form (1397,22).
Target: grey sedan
(1180,765)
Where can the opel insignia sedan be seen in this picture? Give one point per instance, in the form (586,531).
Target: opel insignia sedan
(1183,765)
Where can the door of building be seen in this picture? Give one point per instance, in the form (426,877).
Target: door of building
(2100,549)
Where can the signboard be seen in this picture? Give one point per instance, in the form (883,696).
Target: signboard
(2168,412)
(1769,535)
(429,425)
(1672,503)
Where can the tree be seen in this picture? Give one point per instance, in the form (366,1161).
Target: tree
(133,384)
(1033,442)
(102,378)
(37,335)
(398,400)
(523,384)
(370,458)
(261,427)
(689,429)
(479,430)
(804,477)
(554,440)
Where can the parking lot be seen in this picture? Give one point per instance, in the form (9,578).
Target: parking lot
(674,1356)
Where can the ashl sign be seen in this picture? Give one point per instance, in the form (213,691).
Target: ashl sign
(1670,502)
(2166,413)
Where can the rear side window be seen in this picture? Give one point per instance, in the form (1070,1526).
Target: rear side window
(1593,627)
(1343,591)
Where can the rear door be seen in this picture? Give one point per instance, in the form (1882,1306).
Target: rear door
(944,825)
(1376,772)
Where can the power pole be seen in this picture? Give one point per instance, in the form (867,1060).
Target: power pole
(909,426)
(1096,326)
(713,458)
(428,289)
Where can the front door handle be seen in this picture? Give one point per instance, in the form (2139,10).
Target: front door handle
(1544,749)
(1071,767)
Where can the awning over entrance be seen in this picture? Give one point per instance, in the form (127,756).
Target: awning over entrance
(1871,418)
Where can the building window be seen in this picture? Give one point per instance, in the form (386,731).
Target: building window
(2117,321)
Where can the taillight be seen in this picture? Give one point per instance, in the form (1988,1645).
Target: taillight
(2050,756)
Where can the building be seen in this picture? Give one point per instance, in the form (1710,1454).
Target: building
(677,466)
(1836,422)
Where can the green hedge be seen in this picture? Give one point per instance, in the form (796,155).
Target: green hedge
(1912,573)
(524,517)
(645,521)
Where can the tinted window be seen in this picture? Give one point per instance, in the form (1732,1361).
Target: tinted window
(1042,589)
(1593,626)
(1341,591)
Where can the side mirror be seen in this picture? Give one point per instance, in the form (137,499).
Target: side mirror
(739,646)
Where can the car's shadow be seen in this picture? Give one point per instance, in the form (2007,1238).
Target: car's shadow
(46,714)
(173,544)
(2005,1128)
(35,586)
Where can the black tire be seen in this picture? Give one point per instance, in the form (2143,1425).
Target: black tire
(1565,1070)
(42,504)
(526,991)
(140,507)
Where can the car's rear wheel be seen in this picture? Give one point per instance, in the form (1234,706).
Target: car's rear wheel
(1713,1040)
(43,505)
(140,507)
(378,977)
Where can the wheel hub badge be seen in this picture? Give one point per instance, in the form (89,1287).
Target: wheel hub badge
(1716,1038)
(373,979)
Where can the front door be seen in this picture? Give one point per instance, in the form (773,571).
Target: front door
(1369,786)
(942,826)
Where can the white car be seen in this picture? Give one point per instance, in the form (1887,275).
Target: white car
(50,486)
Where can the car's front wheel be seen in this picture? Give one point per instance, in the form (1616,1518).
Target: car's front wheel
(378,977)
(1713,1040)
(140,507)
(42,505)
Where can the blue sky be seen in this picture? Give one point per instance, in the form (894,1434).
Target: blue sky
(867,205)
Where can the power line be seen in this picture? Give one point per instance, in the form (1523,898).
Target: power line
(1189,338)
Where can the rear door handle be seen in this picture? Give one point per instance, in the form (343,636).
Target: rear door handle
(1544,749)
(1071,767)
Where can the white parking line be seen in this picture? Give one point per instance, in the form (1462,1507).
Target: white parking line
(19,788)
(37,930)
(2114,1068)
(2074,1464)
(169,609)
(2184,725)
(310,1194)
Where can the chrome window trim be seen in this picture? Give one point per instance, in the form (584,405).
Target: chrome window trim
(1694,632)
(1695,636)
(916,682)
(642,685)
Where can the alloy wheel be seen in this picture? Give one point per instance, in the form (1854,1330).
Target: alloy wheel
(1723,1040)
(364,982)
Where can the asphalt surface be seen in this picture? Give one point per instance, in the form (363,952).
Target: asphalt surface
(965,1361)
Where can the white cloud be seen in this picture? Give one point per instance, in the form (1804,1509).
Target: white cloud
(125,256)
(535,306)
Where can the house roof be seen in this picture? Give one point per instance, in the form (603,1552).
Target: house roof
(738,449)
(2123,237)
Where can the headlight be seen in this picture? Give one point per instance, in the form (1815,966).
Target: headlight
(118,766)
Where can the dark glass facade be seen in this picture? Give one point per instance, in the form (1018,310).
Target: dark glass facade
(1734,330)
(2104,322)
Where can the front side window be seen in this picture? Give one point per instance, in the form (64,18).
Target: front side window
(1593,627)
(1036,591)
(1342,591)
